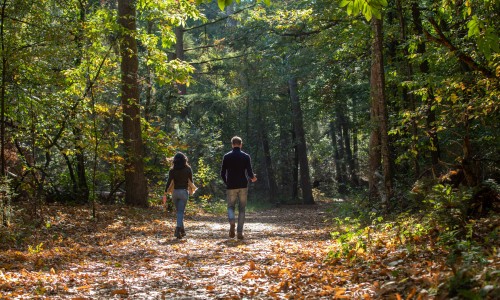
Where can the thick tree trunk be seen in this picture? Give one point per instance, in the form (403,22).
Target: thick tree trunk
(305,180)
(380,137)
(135,183)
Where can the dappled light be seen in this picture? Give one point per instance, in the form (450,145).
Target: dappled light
(361,136)
(288,252)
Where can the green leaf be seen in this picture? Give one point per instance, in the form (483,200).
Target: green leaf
(344,3)
(222,4)
(473,26)
(349,8)
(368,15)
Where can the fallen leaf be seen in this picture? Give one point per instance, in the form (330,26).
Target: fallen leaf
(119,292)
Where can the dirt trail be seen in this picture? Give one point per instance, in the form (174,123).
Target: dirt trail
(207,264)
(131,253)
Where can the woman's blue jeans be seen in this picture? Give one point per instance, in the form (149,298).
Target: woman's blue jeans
(240,196)
(180,198)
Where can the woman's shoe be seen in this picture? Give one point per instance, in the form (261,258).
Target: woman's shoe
(177,232)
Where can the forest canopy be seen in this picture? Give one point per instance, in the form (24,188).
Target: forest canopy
(342,96)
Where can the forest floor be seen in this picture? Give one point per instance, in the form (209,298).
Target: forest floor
(286,254)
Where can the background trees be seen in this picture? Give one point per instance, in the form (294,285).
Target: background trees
(326,94)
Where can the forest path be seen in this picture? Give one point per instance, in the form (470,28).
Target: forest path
(282,250)
(131,253)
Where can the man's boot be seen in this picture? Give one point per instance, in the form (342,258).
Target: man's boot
(240,235)
(182,232)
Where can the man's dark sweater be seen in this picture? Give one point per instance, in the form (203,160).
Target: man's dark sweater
(236,169)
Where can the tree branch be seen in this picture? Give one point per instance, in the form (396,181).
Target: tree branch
(444,41)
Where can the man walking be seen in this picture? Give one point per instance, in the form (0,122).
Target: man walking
(235,172)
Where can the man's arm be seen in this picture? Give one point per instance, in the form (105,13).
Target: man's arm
(250,173)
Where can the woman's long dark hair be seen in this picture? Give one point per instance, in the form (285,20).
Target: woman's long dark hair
(180,161)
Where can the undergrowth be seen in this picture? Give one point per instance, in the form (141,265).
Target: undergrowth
(442,226)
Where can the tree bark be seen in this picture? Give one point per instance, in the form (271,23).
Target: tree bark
(305,180)
(295,170)
(135,182)
(271,178)
(179,52)
(379,141)
(336,156)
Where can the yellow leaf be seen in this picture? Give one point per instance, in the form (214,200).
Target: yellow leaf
(252,266)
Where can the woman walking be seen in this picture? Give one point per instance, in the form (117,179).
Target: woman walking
(181,176)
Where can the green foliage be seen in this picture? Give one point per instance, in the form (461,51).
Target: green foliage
(449,205)
(224,3)
(368,8)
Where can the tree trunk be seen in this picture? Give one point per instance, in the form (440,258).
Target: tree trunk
(305,180)
(285,162)
(271,179)
(135,183)
(380,137)
(295,170)
(348,151)
(336,157)
(82,186)
(179,52)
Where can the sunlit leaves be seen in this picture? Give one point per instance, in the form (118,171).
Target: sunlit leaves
(368,8)
(224,3)
(487,37)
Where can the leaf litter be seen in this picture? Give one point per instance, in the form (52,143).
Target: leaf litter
(130,253)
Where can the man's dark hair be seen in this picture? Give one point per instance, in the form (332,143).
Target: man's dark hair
(236,140)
